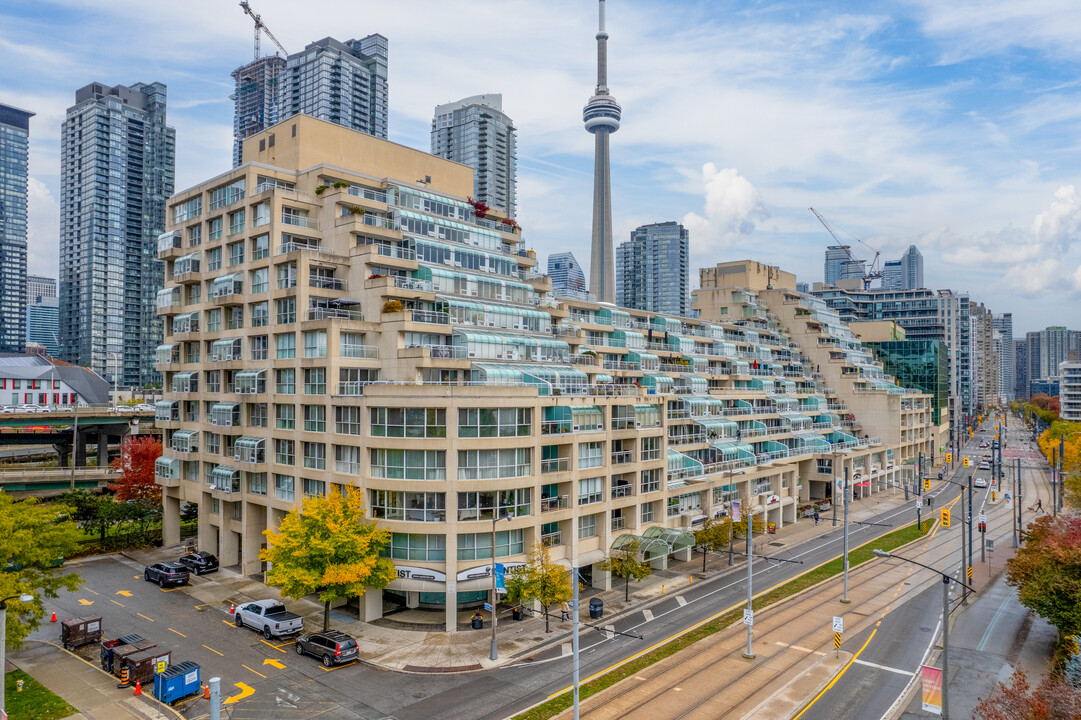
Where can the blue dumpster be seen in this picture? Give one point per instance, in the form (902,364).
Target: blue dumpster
(177,681)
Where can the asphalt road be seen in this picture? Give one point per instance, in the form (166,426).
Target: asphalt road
(268,680)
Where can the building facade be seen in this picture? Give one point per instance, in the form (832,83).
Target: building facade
(39,287)
(1007,360)
(14,176)
(117,168)
(35,380)
(652,269)
(568,280)
(413,353)
(1020,364)
(1069,373)
(1049,348)
(256,98)
(839,266)
(476,132)
(905,273)
(922,364)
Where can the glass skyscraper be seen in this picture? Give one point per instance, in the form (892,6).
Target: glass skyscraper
(568,279)
(14,166)
(922,364)
(475,132)
(652,269)
(117,163)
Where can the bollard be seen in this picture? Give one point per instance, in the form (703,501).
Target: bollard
(18,686)
(124,678)
(662,589)
(690,579)
(215,698)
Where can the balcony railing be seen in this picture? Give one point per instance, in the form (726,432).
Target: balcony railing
(326,283)
(288,247)
(621,365)
(328,313)
(623,456)
(406,283)
(300,221)
(552,465)
(555,503)
(552,539)
(447,352)
(619,523)
(430,317)
(622,491)
(396,251)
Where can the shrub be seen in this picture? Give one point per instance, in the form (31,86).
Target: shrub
(341,184)
(392,306)
(320,189)
(355,209)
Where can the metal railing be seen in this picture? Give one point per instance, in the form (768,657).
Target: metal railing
(300,221)
(622,491)
(555,503)
(552,539)
(619,523)
(326,283)
(406,283)
(396,251)
(430,317)
(622,457)
(329,313)
(552,465)
(291,246)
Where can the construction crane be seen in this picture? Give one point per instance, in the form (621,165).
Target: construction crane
(260,26)
(869,274)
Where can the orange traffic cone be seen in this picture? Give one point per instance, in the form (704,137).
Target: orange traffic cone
(206,691)
(232,608)
(53,618)
(138,687)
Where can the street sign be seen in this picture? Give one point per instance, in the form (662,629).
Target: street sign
(838,624)
(487,607)
(982,517)
(159,668)
(990,545)
(919,504)
(748,617)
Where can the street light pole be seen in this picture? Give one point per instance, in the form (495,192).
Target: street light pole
(3,640)
(833,492)
(968,568)
(494,652)
(574,637)
(116,374)
(844,597)
(750,577)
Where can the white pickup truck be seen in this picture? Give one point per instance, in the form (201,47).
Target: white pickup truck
(269,616)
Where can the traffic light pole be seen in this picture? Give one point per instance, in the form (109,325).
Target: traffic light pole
(919,492)
(968,568)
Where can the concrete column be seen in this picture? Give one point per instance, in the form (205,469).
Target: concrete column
(64,451)
(170,519)
(371,605)
(412,599)
(229,546)
(450,611)
(255,522)
(660,563)
(601,580)
(80,450)
(103,449)
(683,555)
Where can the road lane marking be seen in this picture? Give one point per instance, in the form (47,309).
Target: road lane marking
(255,671)
(899,671)
(799,648)
(227,623)
(274,663)
(116,603)
(91,591)
(336,667)
(994,620)
(125,593)
(839,675)
(213,650)
(144,617)
(245,691)
(85,602)
(268,644)
(179,633)
(648,614)
(681,600)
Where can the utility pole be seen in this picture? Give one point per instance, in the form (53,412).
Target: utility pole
(919,492)
(1054,484)
(574,638)
(946,646)
(844,597)
(964,558)
(836,477)
(750,579)
(968,568)
(1061,454)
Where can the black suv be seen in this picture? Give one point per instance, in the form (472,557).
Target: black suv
(333,647)
(166,573)
(199,562)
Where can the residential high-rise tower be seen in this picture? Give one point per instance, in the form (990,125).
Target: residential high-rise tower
(116,165)
(568,280)
(601,115)
(14,166)
(256,99)
(1007,361)
(475,132)
(652,269)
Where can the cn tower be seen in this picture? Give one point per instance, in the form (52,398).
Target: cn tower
(601,116)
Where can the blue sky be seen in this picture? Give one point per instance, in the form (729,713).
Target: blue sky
(955,126)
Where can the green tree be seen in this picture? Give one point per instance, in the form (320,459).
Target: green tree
(328,547)
(87,510)
(714,535)
(33,538)
(541,579)
(740,528)
(1047,571)
(627,564)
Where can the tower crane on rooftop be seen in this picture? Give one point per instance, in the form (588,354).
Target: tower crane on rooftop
(260,26)
(869,273)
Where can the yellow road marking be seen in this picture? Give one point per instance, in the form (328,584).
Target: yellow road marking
(257,673)
(231,624)
(274,663)
(116,603)
(336,667)
(839,675)
(205,605)
(172,589)
(213,650)
(83,601)
(144,617)
(97,593)
(125,593)
(245,691)
(179,633)
(273,646)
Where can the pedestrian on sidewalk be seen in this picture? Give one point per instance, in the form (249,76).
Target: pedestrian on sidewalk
(564,612)
(816,517)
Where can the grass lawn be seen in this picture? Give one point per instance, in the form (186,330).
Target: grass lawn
(856,556)
(35,702)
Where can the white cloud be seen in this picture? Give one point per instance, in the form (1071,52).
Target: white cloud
(733,206)
(43,229)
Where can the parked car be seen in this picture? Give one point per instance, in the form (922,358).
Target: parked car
(269,616)
(199,562)
(979,482)
(332,647)
(144,407)
(29,408)
(166,573)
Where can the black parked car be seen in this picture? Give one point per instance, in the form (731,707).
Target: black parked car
(166,573)
(199,562)
(332,647)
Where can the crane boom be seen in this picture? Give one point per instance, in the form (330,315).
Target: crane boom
(869,274)
(259,25)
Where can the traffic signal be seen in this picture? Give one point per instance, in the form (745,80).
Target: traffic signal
(982,527)
(927,483)
(966,462)
(949,457)
(945,517)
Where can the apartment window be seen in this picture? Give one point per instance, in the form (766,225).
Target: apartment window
(347,420)
(409,464)
(409,422)
(212,443)
(260,280)
(215,506)
(257,483)
(260,314)
(351,345)
(587,526)
(257,415)
(238,510)
(195,236)
(236,225)
(283,487)
(260,247)
(414,546)
(234,317)
(285,417)
(213,381)
(213,320)
(285,345)
(590,455)
(651,448)
(478,546)
(315,381)
(825,466)
(286,309)
(287,275)
(647,512)
(651,480)
(314,488)
(285,381)
(408,506)
(347,459)
(315,418)
(491,464)
(590,490)
(495,422)
(214,233)
(284,452)
(236,253)
(315,344)
(495,503)
(213,255)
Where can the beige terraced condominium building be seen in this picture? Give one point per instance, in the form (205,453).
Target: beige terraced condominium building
(337,315)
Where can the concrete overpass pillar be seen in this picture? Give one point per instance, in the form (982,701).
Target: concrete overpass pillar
(170,520)
(64,451)
(80,450)
(103,449)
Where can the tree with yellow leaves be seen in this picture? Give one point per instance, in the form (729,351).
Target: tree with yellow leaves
(328,547)
(1065,436)
(541,579)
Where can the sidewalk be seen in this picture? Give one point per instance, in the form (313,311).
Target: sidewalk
(86,687)
(414,640)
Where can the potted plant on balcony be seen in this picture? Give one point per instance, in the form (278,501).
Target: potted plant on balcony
(355,210)
(320,189)
(341,184)
(392,306)
(479,208)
